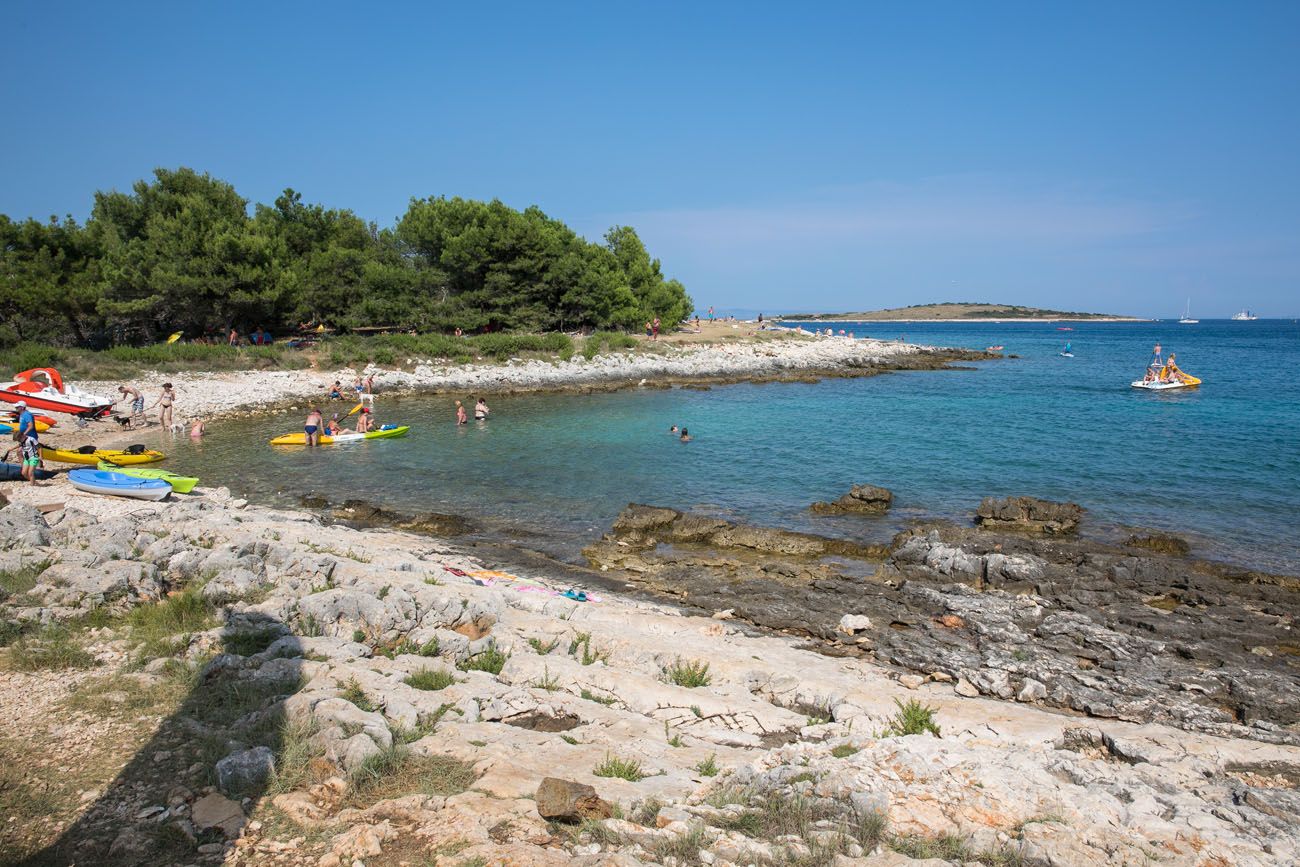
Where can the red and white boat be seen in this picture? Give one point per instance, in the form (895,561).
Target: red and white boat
(43,388)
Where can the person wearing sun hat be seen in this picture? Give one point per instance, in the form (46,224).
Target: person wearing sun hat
(28,441)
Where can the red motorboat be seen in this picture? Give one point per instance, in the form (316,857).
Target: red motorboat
(43,388)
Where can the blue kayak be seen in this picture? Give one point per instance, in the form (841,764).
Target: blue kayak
(14,473)
(118,485)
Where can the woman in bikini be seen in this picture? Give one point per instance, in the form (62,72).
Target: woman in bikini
(164,404)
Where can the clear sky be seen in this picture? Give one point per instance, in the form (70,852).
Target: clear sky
(1111,156)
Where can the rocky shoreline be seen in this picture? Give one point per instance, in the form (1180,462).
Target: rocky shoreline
(236,684)
(786,358)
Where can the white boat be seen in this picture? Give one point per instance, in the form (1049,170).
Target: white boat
(1187,315)
(42,388)
(1160,386)
(1244,316)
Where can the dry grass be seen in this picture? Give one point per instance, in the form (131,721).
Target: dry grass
(398,771)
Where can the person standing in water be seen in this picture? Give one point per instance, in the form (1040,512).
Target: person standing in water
(164,404)
(311,427)
(196,429)
(461,418)
(481,410)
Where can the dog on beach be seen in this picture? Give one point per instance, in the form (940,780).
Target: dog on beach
(124,421)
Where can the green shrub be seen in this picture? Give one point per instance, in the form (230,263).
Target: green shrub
(623,769)
(843,751)
(429,679)
(490,660)
(689,673)
(708,767)
(912,718)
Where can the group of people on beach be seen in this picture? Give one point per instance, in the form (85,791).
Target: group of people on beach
(165,402)
(364,389)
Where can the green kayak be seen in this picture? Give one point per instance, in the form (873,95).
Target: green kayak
(180,484)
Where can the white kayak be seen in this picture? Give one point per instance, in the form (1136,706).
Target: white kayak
(117,485)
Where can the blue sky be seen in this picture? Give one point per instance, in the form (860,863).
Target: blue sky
(1103,156)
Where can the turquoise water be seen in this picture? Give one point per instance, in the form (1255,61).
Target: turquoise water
(1220,464)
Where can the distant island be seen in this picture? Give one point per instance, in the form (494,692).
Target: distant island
(950,310)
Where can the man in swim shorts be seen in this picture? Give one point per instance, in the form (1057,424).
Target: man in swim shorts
(131,393)
(311,427)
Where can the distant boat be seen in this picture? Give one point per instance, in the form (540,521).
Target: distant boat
(1187,315)
(1244,316)
(1064,329)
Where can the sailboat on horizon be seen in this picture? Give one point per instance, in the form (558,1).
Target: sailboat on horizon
(1187,315)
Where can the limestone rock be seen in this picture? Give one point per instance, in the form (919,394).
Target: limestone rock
(568,801)
(217,811)
(1028,514)
(851,624)
(245,772)
(861,499)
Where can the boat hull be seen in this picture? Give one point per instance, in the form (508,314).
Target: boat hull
(300,439)
(1164,386)
(180,484)
(118,485)
(68,456)
(14,473)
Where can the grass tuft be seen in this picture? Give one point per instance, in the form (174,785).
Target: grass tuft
(623,769)
(53,648)
(397,771)
(353,692)
(912,718)
(491,660)
(429,679)
(691,674)
(708,767)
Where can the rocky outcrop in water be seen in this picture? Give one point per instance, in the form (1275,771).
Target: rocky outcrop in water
(372,697)
(1029,515)
(1099,630)
(861,499)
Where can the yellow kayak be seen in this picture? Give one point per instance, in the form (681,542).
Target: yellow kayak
(300,439)
(121,458)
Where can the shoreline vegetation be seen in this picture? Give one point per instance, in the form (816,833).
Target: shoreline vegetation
(953,311)
(181,254)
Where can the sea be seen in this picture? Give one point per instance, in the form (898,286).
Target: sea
(1218,465)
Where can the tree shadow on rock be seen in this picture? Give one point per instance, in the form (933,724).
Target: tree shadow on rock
(187,792)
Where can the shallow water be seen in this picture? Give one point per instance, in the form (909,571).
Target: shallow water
(1220,464)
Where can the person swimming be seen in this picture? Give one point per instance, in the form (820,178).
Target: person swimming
(196,429)
(674,431)
(686,435)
